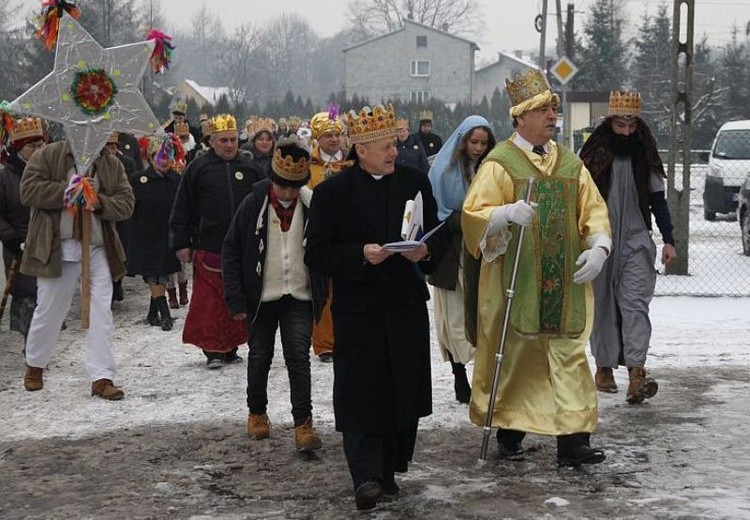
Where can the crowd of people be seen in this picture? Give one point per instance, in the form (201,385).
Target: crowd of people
(296,226)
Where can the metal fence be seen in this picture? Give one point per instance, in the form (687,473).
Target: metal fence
(718,259)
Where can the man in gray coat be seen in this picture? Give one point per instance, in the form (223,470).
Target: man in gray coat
(53,254)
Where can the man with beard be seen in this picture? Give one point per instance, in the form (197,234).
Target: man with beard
(622,157)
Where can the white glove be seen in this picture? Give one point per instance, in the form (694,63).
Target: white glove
(592,260)
(519,212)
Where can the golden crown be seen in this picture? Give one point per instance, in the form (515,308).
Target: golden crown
(255,124)
(113,138)
(294,120)
(425,115)
(321,123)
(624,103)
(182,129)
(223,123)
(371,124)
(286,168)
(402,123)
(27,127)
(179,108)
(525,86)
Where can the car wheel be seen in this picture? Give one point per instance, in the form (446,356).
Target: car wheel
(745,226)
(709,215)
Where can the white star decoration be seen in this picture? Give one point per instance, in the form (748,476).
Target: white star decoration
(53,99)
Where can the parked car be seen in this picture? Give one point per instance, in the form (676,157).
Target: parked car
(728,165)
(743,215)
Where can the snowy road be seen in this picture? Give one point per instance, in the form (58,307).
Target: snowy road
(176,447)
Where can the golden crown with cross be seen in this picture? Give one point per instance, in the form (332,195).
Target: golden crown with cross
(371,124)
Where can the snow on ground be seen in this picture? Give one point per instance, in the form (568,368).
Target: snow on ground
(682,455)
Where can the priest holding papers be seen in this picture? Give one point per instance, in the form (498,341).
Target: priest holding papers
(382,364)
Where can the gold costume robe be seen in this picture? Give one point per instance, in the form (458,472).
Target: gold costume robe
(546,385)
(320,170)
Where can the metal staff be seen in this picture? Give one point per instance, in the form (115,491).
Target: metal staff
(9,283)
(487,429)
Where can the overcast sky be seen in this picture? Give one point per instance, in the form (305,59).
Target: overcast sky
(509,23)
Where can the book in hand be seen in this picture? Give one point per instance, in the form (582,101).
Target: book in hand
(412,225)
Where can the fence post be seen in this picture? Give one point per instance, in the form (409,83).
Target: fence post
(680,131)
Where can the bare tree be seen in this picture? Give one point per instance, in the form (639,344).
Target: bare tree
(236,62)
(374,17)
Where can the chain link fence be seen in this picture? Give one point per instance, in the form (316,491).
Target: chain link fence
(719,238)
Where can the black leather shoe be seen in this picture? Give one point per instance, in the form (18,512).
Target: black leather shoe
(512,451)
(578,455)
(390,490)
(367,495)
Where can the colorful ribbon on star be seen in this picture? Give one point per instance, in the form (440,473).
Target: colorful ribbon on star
(161,57)
(80,193)
(49,20)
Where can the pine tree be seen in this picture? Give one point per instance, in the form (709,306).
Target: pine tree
(602,55)
(734,77)
(651,70)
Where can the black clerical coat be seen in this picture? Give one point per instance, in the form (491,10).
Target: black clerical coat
(382,362)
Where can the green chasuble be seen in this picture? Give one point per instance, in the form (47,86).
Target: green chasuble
(546,300)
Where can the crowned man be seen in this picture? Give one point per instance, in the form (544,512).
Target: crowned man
(326,160)
(624,161)
(431,142)
(546,386)
(266,283)
(179,115)
(24,139)
(382,382)
(210,191)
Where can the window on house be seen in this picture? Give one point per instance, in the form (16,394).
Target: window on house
(421,41)
(420,96)
(420,68)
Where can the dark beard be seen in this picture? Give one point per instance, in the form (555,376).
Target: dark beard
(625,145)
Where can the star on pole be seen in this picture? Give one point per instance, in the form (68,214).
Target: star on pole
(92,92)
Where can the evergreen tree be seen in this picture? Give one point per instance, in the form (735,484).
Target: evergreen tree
(734,77)
(602,55)
(651,71)
(708,99)
(222,105)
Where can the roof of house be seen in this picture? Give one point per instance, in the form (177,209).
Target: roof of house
(508,56)
(473,45)
(210,94)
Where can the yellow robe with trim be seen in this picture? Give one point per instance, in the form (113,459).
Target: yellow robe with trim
(546,385)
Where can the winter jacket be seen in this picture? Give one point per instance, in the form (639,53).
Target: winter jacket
(42,188)
(210,191)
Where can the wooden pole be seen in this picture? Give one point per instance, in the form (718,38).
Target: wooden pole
(85,267)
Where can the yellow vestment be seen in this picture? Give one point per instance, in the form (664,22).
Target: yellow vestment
(546,385)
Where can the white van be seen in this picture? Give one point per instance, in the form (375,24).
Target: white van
(728,166)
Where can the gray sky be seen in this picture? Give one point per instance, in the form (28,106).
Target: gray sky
(509,23)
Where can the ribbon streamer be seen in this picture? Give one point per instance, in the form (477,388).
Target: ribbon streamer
(79,194)
(49,20)
(161,57)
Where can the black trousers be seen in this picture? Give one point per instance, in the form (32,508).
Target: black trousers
(295,318)
(378,457)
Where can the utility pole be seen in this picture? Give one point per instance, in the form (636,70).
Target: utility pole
(543,38)
(560,34)
(569,36)
(680,130)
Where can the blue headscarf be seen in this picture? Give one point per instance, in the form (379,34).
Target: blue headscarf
(449,185)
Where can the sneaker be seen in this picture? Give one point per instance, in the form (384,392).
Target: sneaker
(305,437)
(641,386)
(105,389)
(326,357)
(214,363)
(367,495)
(33,379)
(259,426)
(605,380)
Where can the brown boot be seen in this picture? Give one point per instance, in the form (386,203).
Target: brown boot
(172,293)
(641,386)
(105,389)
(258,426)
(605,380)
(305,437)
(33,379)
(183,293)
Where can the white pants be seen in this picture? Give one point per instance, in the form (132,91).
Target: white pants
(54,296)
(449,322)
